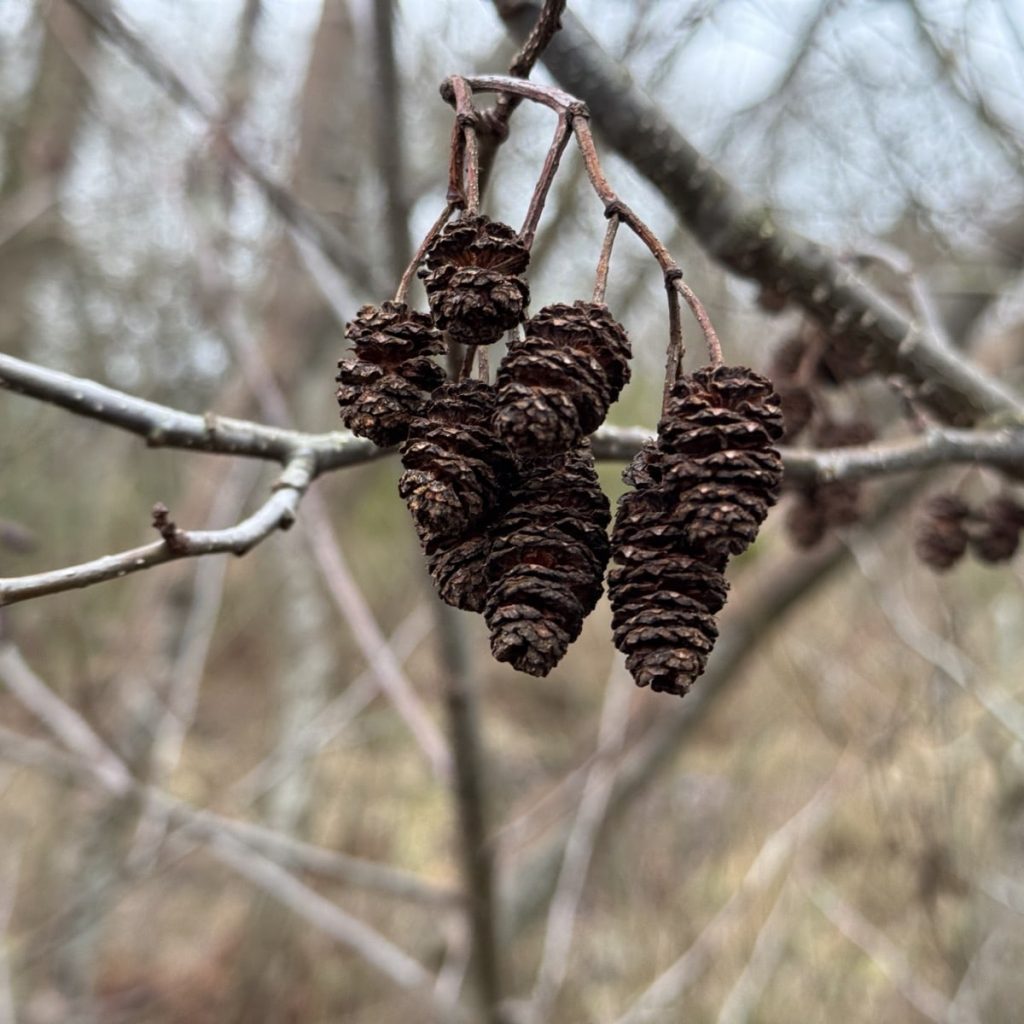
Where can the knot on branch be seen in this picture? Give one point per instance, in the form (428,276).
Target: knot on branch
(494,123)
(615,208)
(173,537)
(672,275)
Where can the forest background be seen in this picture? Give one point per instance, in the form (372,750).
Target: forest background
(229,786)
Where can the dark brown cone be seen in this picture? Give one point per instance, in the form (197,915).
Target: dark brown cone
(547,560)
(787,357)
(392,333)
(456,468)
(716,442)
(473,280)
(555,385)
(820,508)
(459,570)
(995,529)
(797,408)
(389,383)
(702,491)
(941,536)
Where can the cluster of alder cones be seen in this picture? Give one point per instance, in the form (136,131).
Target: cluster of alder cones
(500,480)
(810,369)
(806,367)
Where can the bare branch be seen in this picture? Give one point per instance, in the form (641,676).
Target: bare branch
(881,950)
(295,213)
(277,512)
(62,720)
(163,427)
(307,455)
(579,848)
(376,950)
(470,795)
(774,855)
(938,446)
(745,238)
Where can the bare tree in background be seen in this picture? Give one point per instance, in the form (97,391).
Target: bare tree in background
(292,786)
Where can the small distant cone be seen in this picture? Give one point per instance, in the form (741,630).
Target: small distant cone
(995,529)
(823,507)
(473,277)
(941,534)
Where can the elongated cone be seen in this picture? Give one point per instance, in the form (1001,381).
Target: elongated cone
(701,492)
(547,561)
(457,477)
(388,384)
(555,384)
(474,282)
(456,468)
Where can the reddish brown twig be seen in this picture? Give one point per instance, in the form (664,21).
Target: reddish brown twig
(403,285)
(676,348)
(601,280)
(547,175)
(701,315)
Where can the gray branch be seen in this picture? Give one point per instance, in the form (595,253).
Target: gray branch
(305,456)
(744,236)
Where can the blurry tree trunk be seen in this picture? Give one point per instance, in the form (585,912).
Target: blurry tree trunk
(38,148)
(298,329)
(272,969)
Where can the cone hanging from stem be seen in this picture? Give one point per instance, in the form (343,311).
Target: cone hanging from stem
(388,384)
(701,492)
(547,560)
(555,384)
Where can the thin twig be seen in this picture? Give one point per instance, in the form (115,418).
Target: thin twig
(603,263)
(676,346)
(553,157)
(774,855)
(410,270)
(881,950)
(701,315)
(276,513)
(494,123)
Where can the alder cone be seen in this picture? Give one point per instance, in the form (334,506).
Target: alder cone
(457,469)
(389,382)
(701,492)
(556,384)
(941,534)
(473,280)
(547,560)
(820,508)
(996,527)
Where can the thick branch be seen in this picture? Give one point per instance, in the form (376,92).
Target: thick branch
(164,427)
(745,238)
(308,455)
(939,446)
